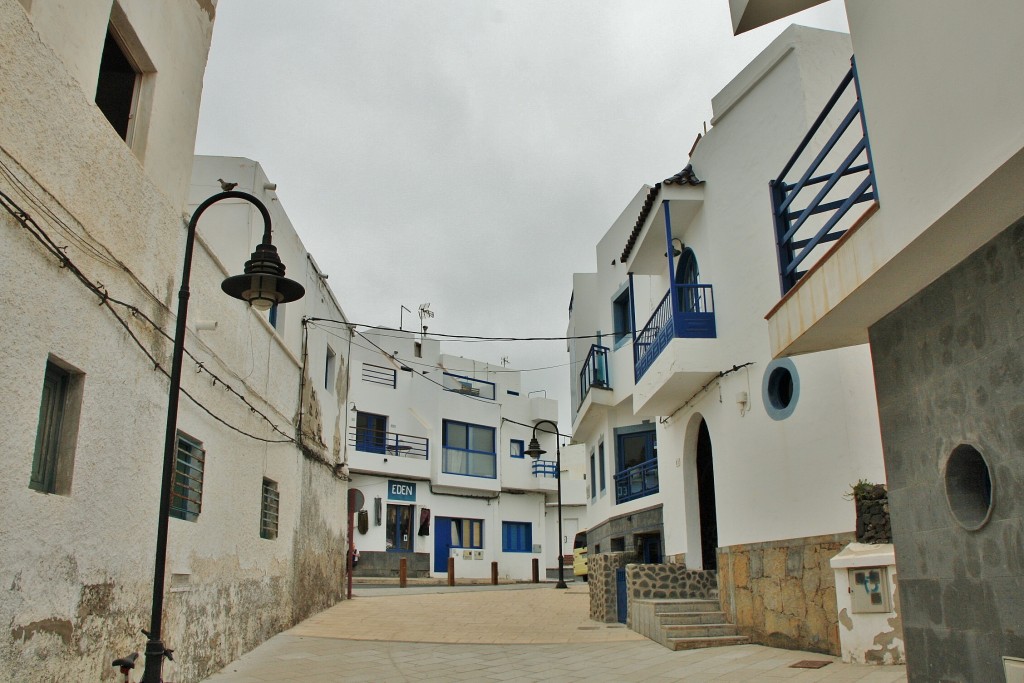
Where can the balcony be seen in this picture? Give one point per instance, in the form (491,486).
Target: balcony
(545,468)
(825,197)
(594,374)
(637,481)
(374,451)
(686,312)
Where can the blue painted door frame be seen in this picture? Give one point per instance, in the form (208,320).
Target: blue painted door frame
(442,543)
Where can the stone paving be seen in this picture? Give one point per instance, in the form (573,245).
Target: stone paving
(504,633)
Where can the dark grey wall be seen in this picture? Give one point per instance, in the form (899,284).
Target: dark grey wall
(626,527)
(949,370)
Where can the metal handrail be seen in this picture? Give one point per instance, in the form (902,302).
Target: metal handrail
(389,443)
(792,252)
(693,318)
(595,371)
(636,481)
(545,468)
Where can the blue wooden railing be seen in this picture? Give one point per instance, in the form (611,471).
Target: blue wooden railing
(686,311)
(545,468)
(637,481)
(595,371)
(830,198)
(389,443)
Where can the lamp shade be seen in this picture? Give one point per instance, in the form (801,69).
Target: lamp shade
(263,283)
(534,450)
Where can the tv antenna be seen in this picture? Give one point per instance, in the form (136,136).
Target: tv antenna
(425,312)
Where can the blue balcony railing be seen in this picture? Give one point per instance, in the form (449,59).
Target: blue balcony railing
(595,371)
(852,181)
(687,311)
(637,481)
(389,443)
(545,468)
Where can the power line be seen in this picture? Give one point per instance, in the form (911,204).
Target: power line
(463,337)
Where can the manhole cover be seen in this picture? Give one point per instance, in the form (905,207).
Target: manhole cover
(810,664)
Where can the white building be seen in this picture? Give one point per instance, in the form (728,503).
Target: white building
(703,450)
(930,271)
(97,128)
(436,446)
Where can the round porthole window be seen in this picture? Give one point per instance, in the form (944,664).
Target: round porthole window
(780,389)
(969,487)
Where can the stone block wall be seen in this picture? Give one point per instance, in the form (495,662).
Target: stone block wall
(378,563)
(873,514)
(783,593)
(603,599)
(949,371)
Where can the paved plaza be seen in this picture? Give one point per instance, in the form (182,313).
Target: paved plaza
(504,633)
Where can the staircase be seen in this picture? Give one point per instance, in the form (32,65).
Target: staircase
(684,624)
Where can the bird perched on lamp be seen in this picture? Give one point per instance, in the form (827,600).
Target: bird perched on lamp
(226,186)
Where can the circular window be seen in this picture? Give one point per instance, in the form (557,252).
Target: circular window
(969,487)
(780,388)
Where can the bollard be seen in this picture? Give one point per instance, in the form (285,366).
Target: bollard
(494,573)
(403,573)
(536,570)
(451,571)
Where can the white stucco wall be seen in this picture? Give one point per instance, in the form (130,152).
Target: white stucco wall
(774,479)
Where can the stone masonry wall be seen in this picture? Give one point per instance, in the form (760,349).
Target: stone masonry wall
(670,582)
(783,593)
(601,570)
(873,515)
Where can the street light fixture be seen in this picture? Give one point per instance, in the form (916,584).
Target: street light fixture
(535,451)
(262,286)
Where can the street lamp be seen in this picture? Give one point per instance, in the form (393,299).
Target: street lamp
(535,451)
(262,286)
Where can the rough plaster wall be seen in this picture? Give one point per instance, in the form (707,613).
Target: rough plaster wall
(949,367)
(320,542)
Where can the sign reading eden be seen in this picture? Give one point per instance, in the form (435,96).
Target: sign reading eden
(401,490)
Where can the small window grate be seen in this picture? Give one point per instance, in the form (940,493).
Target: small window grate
(187,487)
(380,375)
(269,509)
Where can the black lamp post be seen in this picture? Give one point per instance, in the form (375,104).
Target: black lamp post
(262,285)
(535,451)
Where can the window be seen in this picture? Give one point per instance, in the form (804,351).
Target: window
(417,349)
(621,318)
(600,465)
(516,537)
(469,450)
(399,527)
(516,448)
(780,388)
(275,316)
(593,476)
(270,506)
(57,432)
(371,432)
(467,533)
(330,366)
(123,85)
(187,486)
(636,461)
(375,374)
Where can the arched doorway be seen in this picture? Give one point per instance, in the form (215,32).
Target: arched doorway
(687,273)
(706,499)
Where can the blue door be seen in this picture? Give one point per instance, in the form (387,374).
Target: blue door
(442,543)
(371,432)
(620,593)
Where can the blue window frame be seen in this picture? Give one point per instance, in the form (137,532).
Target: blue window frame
(621,318)
(371,432)
(516,448)
(517,537)
(601,466)
(636,459)
(469,450)
(187,485)
(593,476)
(467,533)
(399,528)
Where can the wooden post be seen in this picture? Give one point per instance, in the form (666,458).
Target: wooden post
(536,570)
(451,571)
(494,573)
(403,572)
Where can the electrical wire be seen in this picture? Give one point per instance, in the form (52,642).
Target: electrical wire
(461,337)
(60,253)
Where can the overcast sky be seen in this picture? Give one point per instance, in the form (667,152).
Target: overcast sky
(468,153)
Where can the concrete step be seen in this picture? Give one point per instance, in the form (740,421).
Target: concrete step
(677,606)
(672,618)
(698,630)
(711,641)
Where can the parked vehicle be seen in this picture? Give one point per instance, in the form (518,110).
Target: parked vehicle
(579,555)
